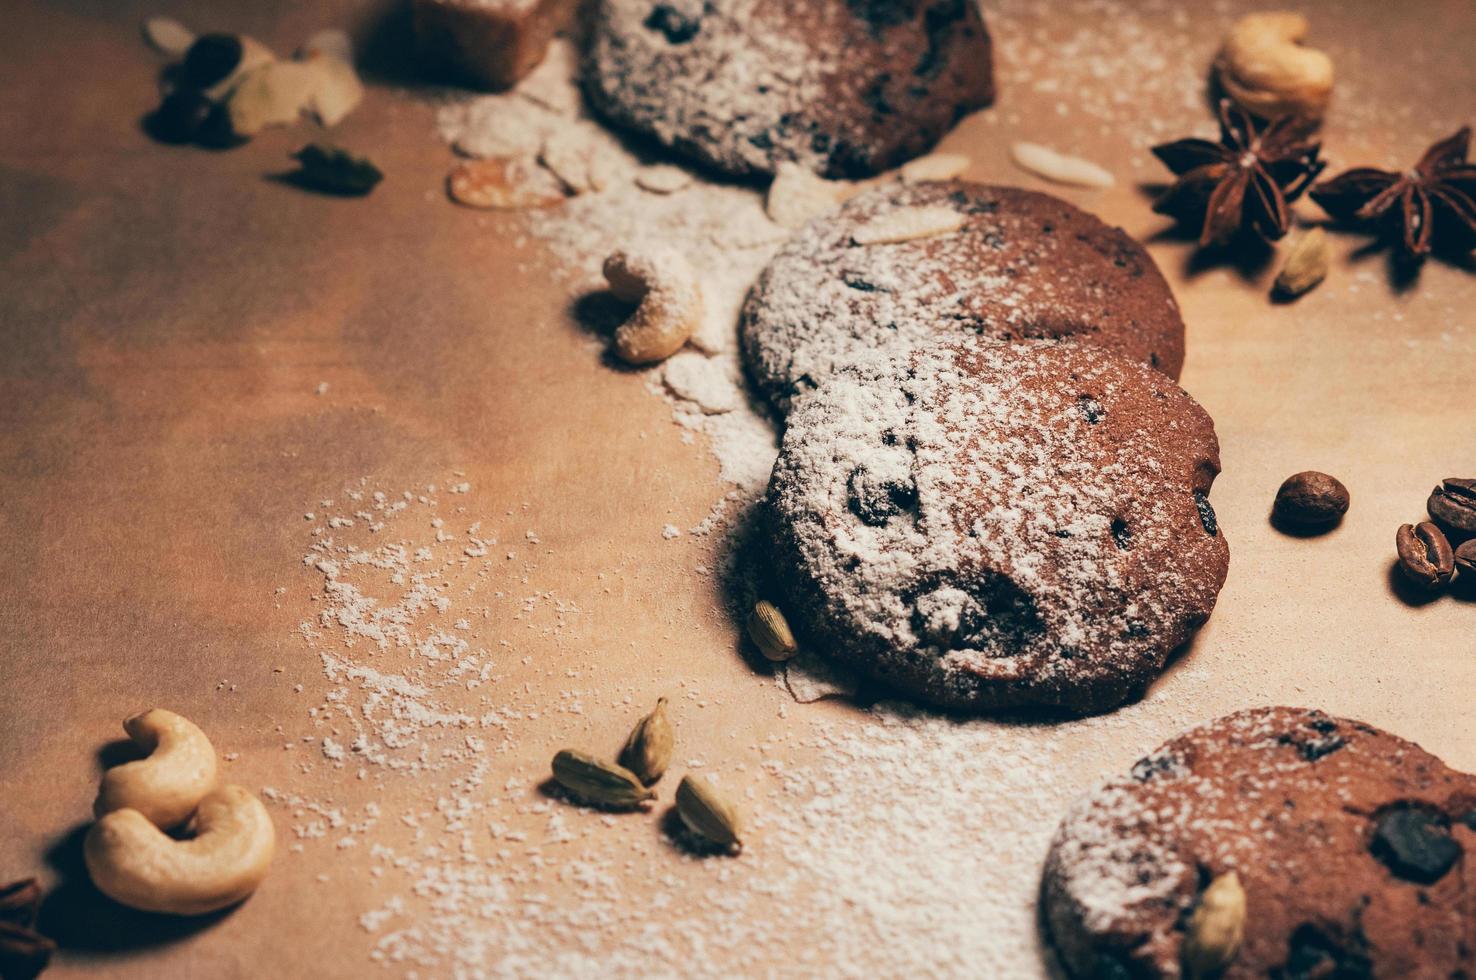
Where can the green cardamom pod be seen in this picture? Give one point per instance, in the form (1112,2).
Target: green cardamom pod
(770,632)
(599,783)
(707,814)
(1215,928)
(647,751)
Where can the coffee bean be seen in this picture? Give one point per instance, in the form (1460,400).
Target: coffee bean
(1310,500)
(1425,557)
(1453,506)
(1465,559)
(1415,845)
(211,58)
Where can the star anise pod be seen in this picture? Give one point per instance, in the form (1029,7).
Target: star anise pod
(1246,181)
(1437,197)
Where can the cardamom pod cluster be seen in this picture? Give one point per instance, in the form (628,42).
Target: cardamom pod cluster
(627,784)
(1215,928)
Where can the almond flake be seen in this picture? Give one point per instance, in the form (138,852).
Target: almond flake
(1046,163)
(505,183)
(908,224)
(934,166)
(663,178)
(168,36)
(798,194)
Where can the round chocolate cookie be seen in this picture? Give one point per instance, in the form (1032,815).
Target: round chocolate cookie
(1022,265)
(987,525)
(1356,852)
(843,87)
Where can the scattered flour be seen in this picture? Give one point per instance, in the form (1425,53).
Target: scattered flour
(882,840)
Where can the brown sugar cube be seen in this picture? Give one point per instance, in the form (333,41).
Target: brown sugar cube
(492,43)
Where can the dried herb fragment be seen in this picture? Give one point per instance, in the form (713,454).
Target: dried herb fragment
(24,952)
(335,171)
(1432,204)
(20,901)
(1245,182)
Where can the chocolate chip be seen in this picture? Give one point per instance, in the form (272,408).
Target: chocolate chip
(677,27)
(1414,843)
(877,500)
(1150,766)
(1315,956)
(1136,628)
(1091,408)
(1312,749)
(1206,513)
(1122,535)
(211,58)
(860,285)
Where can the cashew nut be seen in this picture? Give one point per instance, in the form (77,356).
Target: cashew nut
(1265,70)
(167,786)
(670,304)
(135,863)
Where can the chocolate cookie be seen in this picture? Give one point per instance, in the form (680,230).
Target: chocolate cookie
(986,525)
(1354,849)
(1023,265)
(843,87)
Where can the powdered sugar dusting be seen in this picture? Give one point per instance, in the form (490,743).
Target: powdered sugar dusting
(1000,524)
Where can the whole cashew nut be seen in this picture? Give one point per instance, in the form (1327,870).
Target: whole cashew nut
(135,863)
(670,304)
(168,785)
(1267,72)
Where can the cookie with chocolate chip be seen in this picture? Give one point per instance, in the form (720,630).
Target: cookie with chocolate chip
(988,525)
(1356,851)
(1021,265)
(846,88)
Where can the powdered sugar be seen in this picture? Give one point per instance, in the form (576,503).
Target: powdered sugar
(999,525)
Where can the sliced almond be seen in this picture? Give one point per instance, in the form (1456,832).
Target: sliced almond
(1059,168)
(505,183)
(663,178)
(569,153)
(337,92)
(799,194)
(273,95)
(934,166)
(168,36)
(908,224)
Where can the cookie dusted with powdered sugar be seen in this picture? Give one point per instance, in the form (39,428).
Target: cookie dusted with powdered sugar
(846,88)
(1354,850)
(989,525)
(1020,265)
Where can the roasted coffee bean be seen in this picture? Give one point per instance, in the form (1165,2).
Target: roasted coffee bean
(1425,556)
(180,116)
(1453,506)
(211,58)
(1415,844)
(1465,560)
(1310,500)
